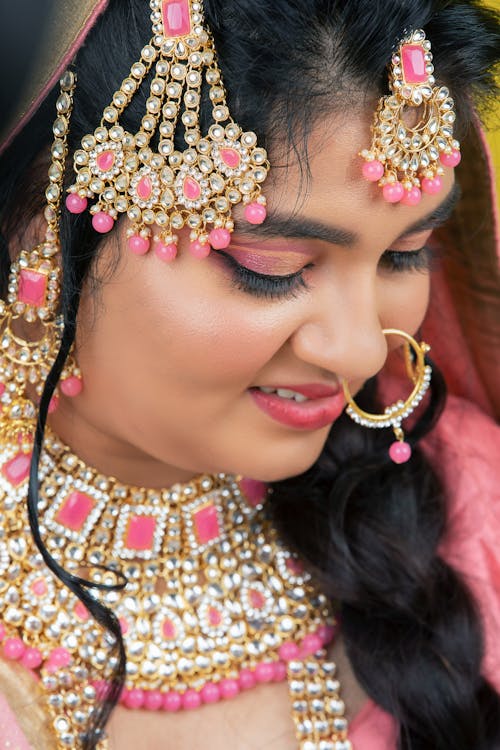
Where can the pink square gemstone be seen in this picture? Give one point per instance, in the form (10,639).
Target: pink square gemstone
(32,287)
(176,18)
(75,510)
(206,523)
(140,533)
(17,469)
(413,60)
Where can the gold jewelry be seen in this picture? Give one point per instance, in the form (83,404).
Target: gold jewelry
(33,300)
(213,604)
(195,188)
(420,374)
(406,159)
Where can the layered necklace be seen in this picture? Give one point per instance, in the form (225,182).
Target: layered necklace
(213,604)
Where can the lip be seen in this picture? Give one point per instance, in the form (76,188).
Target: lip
(326,404)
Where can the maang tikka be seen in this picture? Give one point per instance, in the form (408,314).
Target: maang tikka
(405,158)
(159,185)
(30,324)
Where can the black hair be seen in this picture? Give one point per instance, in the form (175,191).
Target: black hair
(369,527)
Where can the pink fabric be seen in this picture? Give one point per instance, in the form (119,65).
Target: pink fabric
(11,735)
(466,449)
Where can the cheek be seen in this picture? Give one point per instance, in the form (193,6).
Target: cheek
(403,300)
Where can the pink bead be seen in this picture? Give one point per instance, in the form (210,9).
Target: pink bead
(165,252)
(134,699)
(172,701)
(191,699)
(53,403)
(229,688)
(326,633)
(255,213)
(32,658)
(373,170)
(71,386)
(310,644)
(400,452)
(76,204)
(59,658)
(393,192)
(138,245)
(14,649)
(431,185)
(288,651)
(210,693)
(153,700)
(219,238)
(451,159)
(411,197)
(3,632)
(264,672)
(279,671)
(102,222)
(199,249)
(246,679)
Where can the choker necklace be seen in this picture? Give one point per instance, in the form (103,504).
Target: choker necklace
(214,602)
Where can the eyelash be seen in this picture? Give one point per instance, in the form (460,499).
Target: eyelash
(291,285)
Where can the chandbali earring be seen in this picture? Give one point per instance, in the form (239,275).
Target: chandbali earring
(407,158)
(161,185)
(420,374)
(32,303)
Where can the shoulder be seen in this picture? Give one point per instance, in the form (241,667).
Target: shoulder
(465,451)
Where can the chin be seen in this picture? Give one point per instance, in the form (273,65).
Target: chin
(277,465)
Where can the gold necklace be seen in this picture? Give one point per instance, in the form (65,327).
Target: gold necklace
(214,603)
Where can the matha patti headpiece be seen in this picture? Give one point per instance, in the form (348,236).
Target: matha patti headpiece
(159,184)
(407,159)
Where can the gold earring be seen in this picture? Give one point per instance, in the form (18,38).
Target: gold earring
(420,374)
(32,302)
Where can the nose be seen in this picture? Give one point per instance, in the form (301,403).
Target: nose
(342,333)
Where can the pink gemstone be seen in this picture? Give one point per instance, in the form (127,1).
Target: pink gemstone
(176,19)
(134,698)
(373,170)
(144,188)
(199,249)
(138,245)
(400,452)
(393,192)
(81,611)
(169,630)
(294,566)
(140,533)
(2,389)
(229,688)
(17,469)
(257,599)
(164,252)
(246,679)
(14,649)
(210,693)
(76,204)
(75,510)
(54,403)
(412,197)
(214,617)
(71,386)
(432,185)
(255,213)
(32,658)
(413,61)
(106,160)
(206,524)
(255,492)
(451,159)
(102,222)
(279,671)
(59,658)
(191,189)
(219,238)
(39,587)
(326,633)
(310,644)
(123,625)
(172,701)
(288,651)
(32,288)
(264,672)
(230,157)
(153,700)
(191,699)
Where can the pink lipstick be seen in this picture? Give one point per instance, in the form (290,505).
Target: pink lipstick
(321,405)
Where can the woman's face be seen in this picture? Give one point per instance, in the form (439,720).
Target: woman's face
(172,354)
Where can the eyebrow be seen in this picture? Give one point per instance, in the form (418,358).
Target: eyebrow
(300,227)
